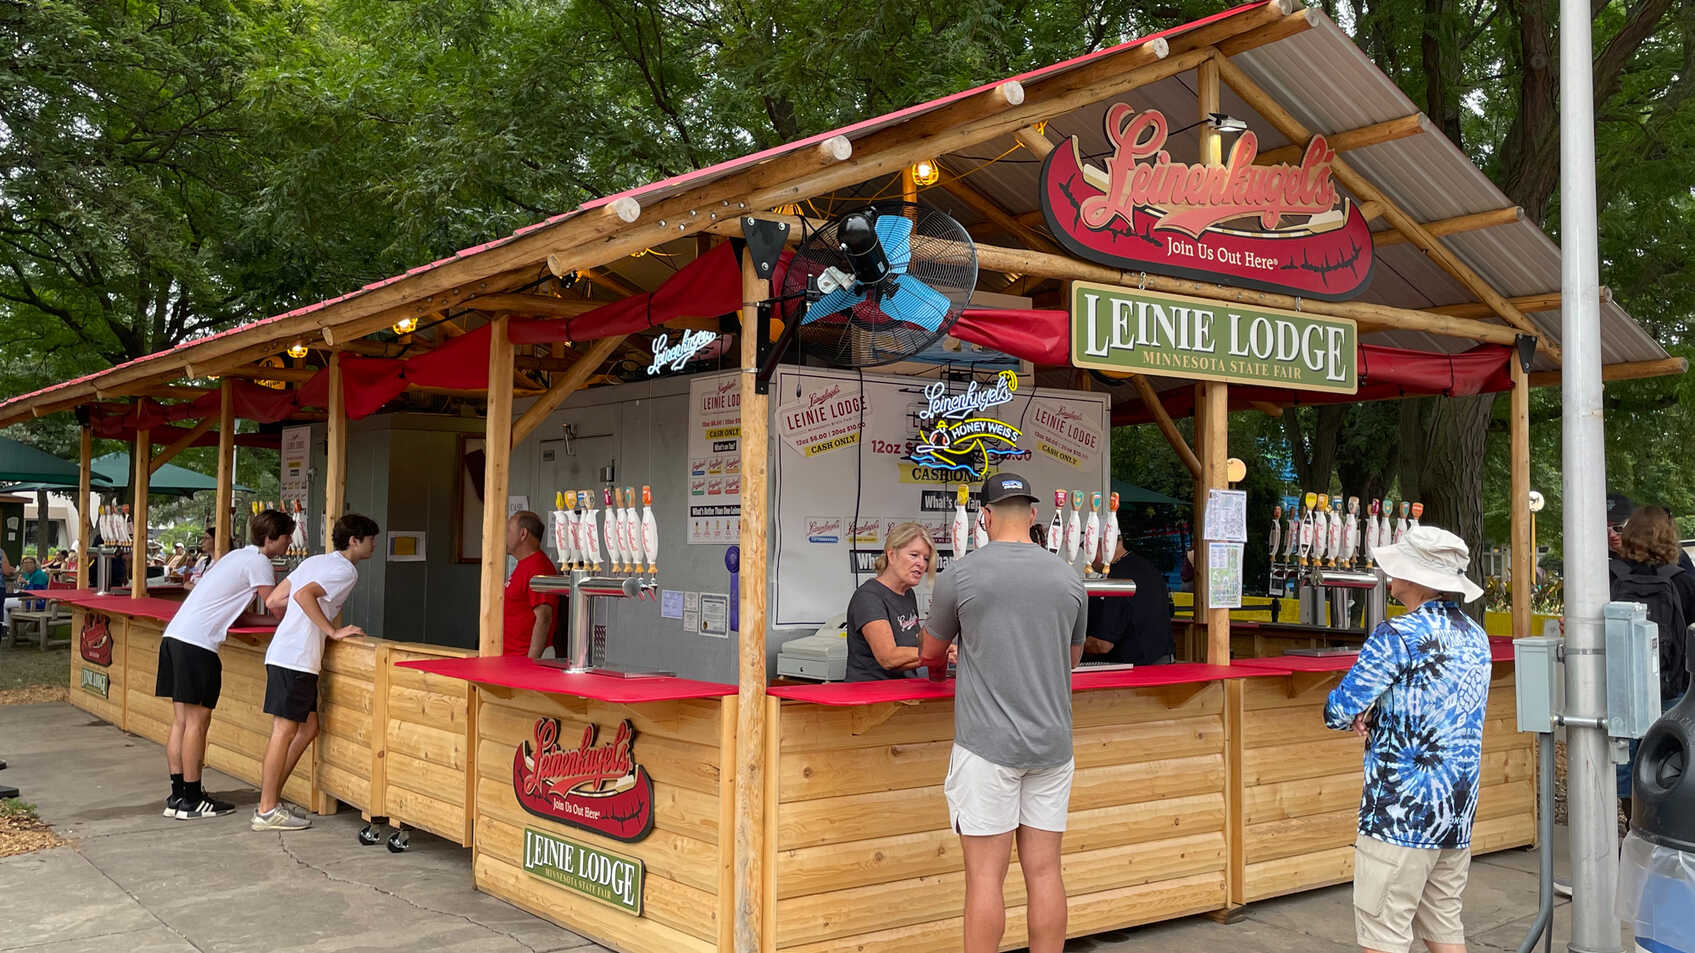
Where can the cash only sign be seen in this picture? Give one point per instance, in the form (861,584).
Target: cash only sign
(1122,329)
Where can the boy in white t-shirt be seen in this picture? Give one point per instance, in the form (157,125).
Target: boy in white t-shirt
(309,600)
(190,673)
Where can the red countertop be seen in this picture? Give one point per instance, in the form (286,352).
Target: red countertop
(1500,650)
(526,674)
(147,607)
(838,694)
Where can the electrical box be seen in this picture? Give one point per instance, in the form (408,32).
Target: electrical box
(1537,679)
(1633,670)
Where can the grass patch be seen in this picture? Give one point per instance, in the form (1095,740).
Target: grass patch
(29,675)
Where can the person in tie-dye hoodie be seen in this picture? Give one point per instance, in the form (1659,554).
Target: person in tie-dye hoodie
(1417,694)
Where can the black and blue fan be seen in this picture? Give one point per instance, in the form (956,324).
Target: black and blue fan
(879,284)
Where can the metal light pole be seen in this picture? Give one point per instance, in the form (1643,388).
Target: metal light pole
(1590,786)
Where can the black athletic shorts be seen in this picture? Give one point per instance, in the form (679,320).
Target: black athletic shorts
(188,674)
(290,694)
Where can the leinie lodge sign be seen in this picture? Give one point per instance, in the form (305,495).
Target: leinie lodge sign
(601,875)
(1165,335)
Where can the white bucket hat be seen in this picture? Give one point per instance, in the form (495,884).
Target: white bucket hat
(1430,557)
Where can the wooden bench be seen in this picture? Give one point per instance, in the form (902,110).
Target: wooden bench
(40,622)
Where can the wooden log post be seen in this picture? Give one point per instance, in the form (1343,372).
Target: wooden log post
(85,516)
(335,467)
(223,502)
(750,845)
(1212,406)
(497,455)
(138,508)
(1523,577)
(1212,420)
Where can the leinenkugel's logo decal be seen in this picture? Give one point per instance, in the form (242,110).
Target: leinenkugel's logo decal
(96,640)
(1278,227)
(962,440)
(599,788)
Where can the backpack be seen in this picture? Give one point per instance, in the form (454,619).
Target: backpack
(1656,590)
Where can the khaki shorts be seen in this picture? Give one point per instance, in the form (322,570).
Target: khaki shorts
(985,799)
(1403,893)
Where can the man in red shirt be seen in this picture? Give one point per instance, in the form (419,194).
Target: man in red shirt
(527,626)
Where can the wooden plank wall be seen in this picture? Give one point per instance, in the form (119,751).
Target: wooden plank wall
(428,744)
(1301,786)
(346,700)
(240,729)
(683,745)
(866,860)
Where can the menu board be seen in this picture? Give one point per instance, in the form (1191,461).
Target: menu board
(714,460)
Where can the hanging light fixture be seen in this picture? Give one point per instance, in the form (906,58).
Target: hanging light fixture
(925,172)
(406,325)
(297,350)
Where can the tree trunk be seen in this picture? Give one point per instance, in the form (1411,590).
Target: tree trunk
(1442,446)
(1314,456)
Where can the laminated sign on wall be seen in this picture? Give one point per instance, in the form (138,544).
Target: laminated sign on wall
(714,459)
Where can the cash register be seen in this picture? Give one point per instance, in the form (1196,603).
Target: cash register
(821,656)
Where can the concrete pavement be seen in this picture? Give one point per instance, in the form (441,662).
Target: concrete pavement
(133,882)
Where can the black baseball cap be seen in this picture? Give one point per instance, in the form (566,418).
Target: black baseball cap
(1619,508)
(1005,486)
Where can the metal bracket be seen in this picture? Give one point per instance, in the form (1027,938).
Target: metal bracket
(765,242)
(1526,346)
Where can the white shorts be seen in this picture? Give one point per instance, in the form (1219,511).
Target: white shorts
(985,799)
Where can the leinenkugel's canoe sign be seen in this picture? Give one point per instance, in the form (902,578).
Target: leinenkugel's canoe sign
(1145,332)
(1277,227)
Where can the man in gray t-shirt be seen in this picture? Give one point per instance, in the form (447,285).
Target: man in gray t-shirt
(1020,615)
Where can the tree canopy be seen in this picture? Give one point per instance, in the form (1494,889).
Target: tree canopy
(169,168)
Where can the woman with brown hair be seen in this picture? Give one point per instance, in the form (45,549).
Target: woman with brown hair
(1646,571)
(882,616)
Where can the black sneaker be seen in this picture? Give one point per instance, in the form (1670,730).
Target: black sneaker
(171,804)
(207,806)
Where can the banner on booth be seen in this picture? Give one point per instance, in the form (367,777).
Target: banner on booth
(1115,328)
(1277,227)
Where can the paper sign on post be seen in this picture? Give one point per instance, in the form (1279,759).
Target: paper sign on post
(1224,575)
(1227,515)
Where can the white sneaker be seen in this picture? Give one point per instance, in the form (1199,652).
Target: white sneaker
(277,819)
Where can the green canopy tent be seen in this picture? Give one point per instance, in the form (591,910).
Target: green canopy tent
(170,479)
(22,463)
(1131,493)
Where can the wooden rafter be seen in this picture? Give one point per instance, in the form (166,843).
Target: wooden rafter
(1032,265)
(1546,301)
(1286,123)
(1622,371)
(1455,225)
(1350,139)
(296,375)
(571,381)
(617,284)
(1173,436)
(532,305)
(181,443)
(991,210)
